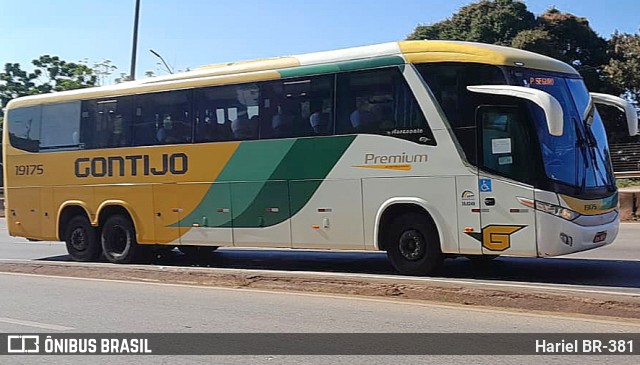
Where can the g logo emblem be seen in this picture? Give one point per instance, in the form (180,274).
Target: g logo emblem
(495,237)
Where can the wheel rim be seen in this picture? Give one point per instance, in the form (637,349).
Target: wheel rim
(412,245)
(79,240)
(118,241)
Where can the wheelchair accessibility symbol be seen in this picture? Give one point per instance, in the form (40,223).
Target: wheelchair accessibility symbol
(485,185)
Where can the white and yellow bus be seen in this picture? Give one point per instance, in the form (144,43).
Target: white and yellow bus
(422,149)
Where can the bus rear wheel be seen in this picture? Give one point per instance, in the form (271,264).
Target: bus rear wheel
(413,245)
(119,241)
(80,238)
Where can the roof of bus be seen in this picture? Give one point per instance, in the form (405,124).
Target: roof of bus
(379,55)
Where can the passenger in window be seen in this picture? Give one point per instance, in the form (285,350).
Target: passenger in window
(167,133)
(363,118)
(320,123)
(283,122)
(245,126)
(387,121)
(117,134)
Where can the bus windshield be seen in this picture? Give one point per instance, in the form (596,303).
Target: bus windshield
(580,157)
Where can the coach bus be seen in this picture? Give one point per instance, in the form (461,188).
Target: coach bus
(422,149)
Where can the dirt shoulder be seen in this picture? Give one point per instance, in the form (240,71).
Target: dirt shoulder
(472,294)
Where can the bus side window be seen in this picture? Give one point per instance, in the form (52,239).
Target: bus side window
(448,83)
(380,102)
(297,107)
(106,123)
(165,115)
(60,126)
(225,113)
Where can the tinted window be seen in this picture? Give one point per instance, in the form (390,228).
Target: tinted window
(226,113)
(24,128)
(448,83)
(162,118)
(508,143)
(297,107)
(106,123)
(60,127)
(380,102)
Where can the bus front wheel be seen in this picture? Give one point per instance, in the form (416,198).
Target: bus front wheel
(119,241)
(413,245)
(80,238)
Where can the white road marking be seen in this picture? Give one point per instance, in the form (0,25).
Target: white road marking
(45,326)
(451,306)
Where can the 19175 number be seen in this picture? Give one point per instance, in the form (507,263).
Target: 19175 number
(29,169)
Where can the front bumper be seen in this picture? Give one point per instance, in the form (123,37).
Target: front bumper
(557,236)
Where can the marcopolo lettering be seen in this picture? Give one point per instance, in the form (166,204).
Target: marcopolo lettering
(133,165)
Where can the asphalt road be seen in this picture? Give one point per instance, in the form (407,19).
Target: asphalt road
(615,267)
(48,304)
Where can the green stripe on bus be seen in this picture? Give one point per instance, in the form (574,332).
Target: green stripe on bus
(293,182)
(285,176)
(253,161)
(341,66)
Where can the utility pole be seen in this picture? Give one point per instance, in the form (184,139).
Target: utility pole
(134,50)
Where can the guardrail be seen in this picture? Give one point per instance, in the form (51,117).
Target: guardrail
(627,174)
(625,158)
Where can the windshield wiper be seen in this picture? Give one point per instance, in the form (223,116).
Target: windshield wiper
(592,144)
(582,144)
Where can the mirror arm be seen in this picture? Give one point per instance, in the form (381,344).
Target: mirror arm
(550,105)
(622,105)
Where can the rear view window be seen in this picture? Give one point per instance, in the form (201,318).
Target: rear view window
(24,128)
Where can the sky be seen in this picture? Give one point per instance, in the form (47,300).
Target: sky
(192,33)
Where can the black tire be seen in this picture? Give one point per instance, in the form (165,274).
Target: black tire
(119,241)
(80,238)
(413,245)
(197,251)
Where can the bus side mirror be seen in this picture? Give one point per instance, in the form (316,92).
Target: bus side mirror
(623,105)
(550,105)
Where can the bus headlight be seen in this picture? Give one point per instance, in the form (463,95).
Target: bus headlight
(553,209)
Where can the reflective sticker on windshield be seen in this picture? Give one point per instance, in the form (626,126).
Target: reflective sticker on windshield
(544,81)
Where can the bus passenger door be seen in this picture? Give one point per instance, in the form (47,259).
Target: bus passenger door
(508,226)
(261,214)
(167,213)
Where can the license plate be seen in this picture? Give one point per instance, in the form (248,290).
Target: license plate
(600,236)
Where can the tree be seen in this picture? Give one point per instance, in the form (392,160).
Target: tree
(623,68)
(103,70)
(537,40)
(50,74)
(496,22)
(570,39)
(15,82)
(574,38)
(60,75)
(556,34)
